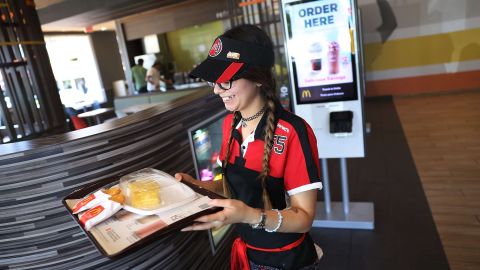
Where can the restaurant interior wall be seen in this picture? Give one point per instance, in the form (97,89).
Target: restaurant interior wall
(106,51)
(434,46)
(190,45)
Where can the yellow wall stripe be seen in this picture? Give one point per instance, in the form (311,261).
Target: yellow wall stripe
(424,50)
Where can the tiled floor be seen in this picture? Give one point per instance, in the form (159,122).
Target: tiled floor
(443,132)
(405,236)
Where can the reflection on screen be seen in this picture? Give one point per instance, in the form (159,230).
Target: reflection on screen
(207,139)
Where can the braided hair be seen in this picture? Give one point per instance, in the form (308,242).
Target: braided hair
(264,77)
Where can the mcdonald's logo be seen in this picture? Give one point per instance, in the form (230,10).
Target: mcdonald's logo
(306,93)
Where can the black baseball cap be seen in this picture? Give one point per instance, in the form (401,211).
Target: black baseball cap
(228,58)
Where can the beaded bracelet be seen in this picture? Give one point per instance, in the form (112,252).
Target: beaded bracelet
(261,223)
(280,221)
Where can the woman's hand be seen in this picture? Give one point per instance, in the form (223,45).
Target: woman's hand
(234,211)
(185,177)
(215,186)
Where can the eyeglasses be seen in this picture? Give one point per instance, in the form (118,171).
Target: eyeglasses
(224,85)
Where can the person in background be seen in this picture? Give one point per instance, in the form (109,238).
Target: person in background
(155,82)
(139,73)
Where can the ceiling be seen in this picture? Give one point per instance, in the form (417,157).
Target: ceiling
(76,15)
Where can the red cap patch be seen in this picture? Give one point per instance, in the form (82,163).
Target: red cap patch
(216,48)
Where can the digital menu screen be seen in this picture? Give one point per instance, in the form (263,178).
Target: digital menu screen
(206,151)
(321,50)
(206,140)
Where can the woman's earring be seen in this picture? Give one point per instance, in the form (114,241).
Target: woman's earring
(259,85)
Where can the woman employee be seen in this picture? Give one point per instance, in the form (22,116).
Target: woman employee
(269,158)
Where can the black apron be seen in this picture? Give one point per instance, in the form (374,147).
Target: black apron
(245,186)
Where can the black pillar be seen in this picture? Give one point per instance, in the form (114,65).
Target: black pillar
(30,105)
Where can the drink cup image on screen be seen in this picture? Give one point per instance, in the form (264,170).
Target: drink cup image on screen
(333,55)
(316,56)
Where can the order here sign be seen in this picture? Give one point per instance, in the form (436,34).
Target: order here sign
(318,15)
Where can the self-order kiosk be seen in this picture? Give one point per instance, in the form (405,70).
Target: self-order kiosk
(324,55)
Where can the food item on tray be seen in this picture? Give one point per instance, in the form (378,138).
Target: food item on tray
(119,198)
(113,191)
(95,198)
(101,212)
(90,201)
(144,194)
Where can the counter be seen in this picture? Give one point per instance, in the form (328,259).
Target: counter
(123,103)
(36,232)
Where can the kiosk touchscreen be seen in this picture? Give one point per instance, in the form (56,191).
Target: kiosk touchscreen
(322,48)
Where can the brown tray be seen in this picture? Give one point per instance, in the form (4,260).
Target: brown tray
(174,227)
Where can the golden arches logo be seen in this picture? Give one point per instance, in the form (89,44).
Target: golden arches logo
(306,93)
(95,211)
